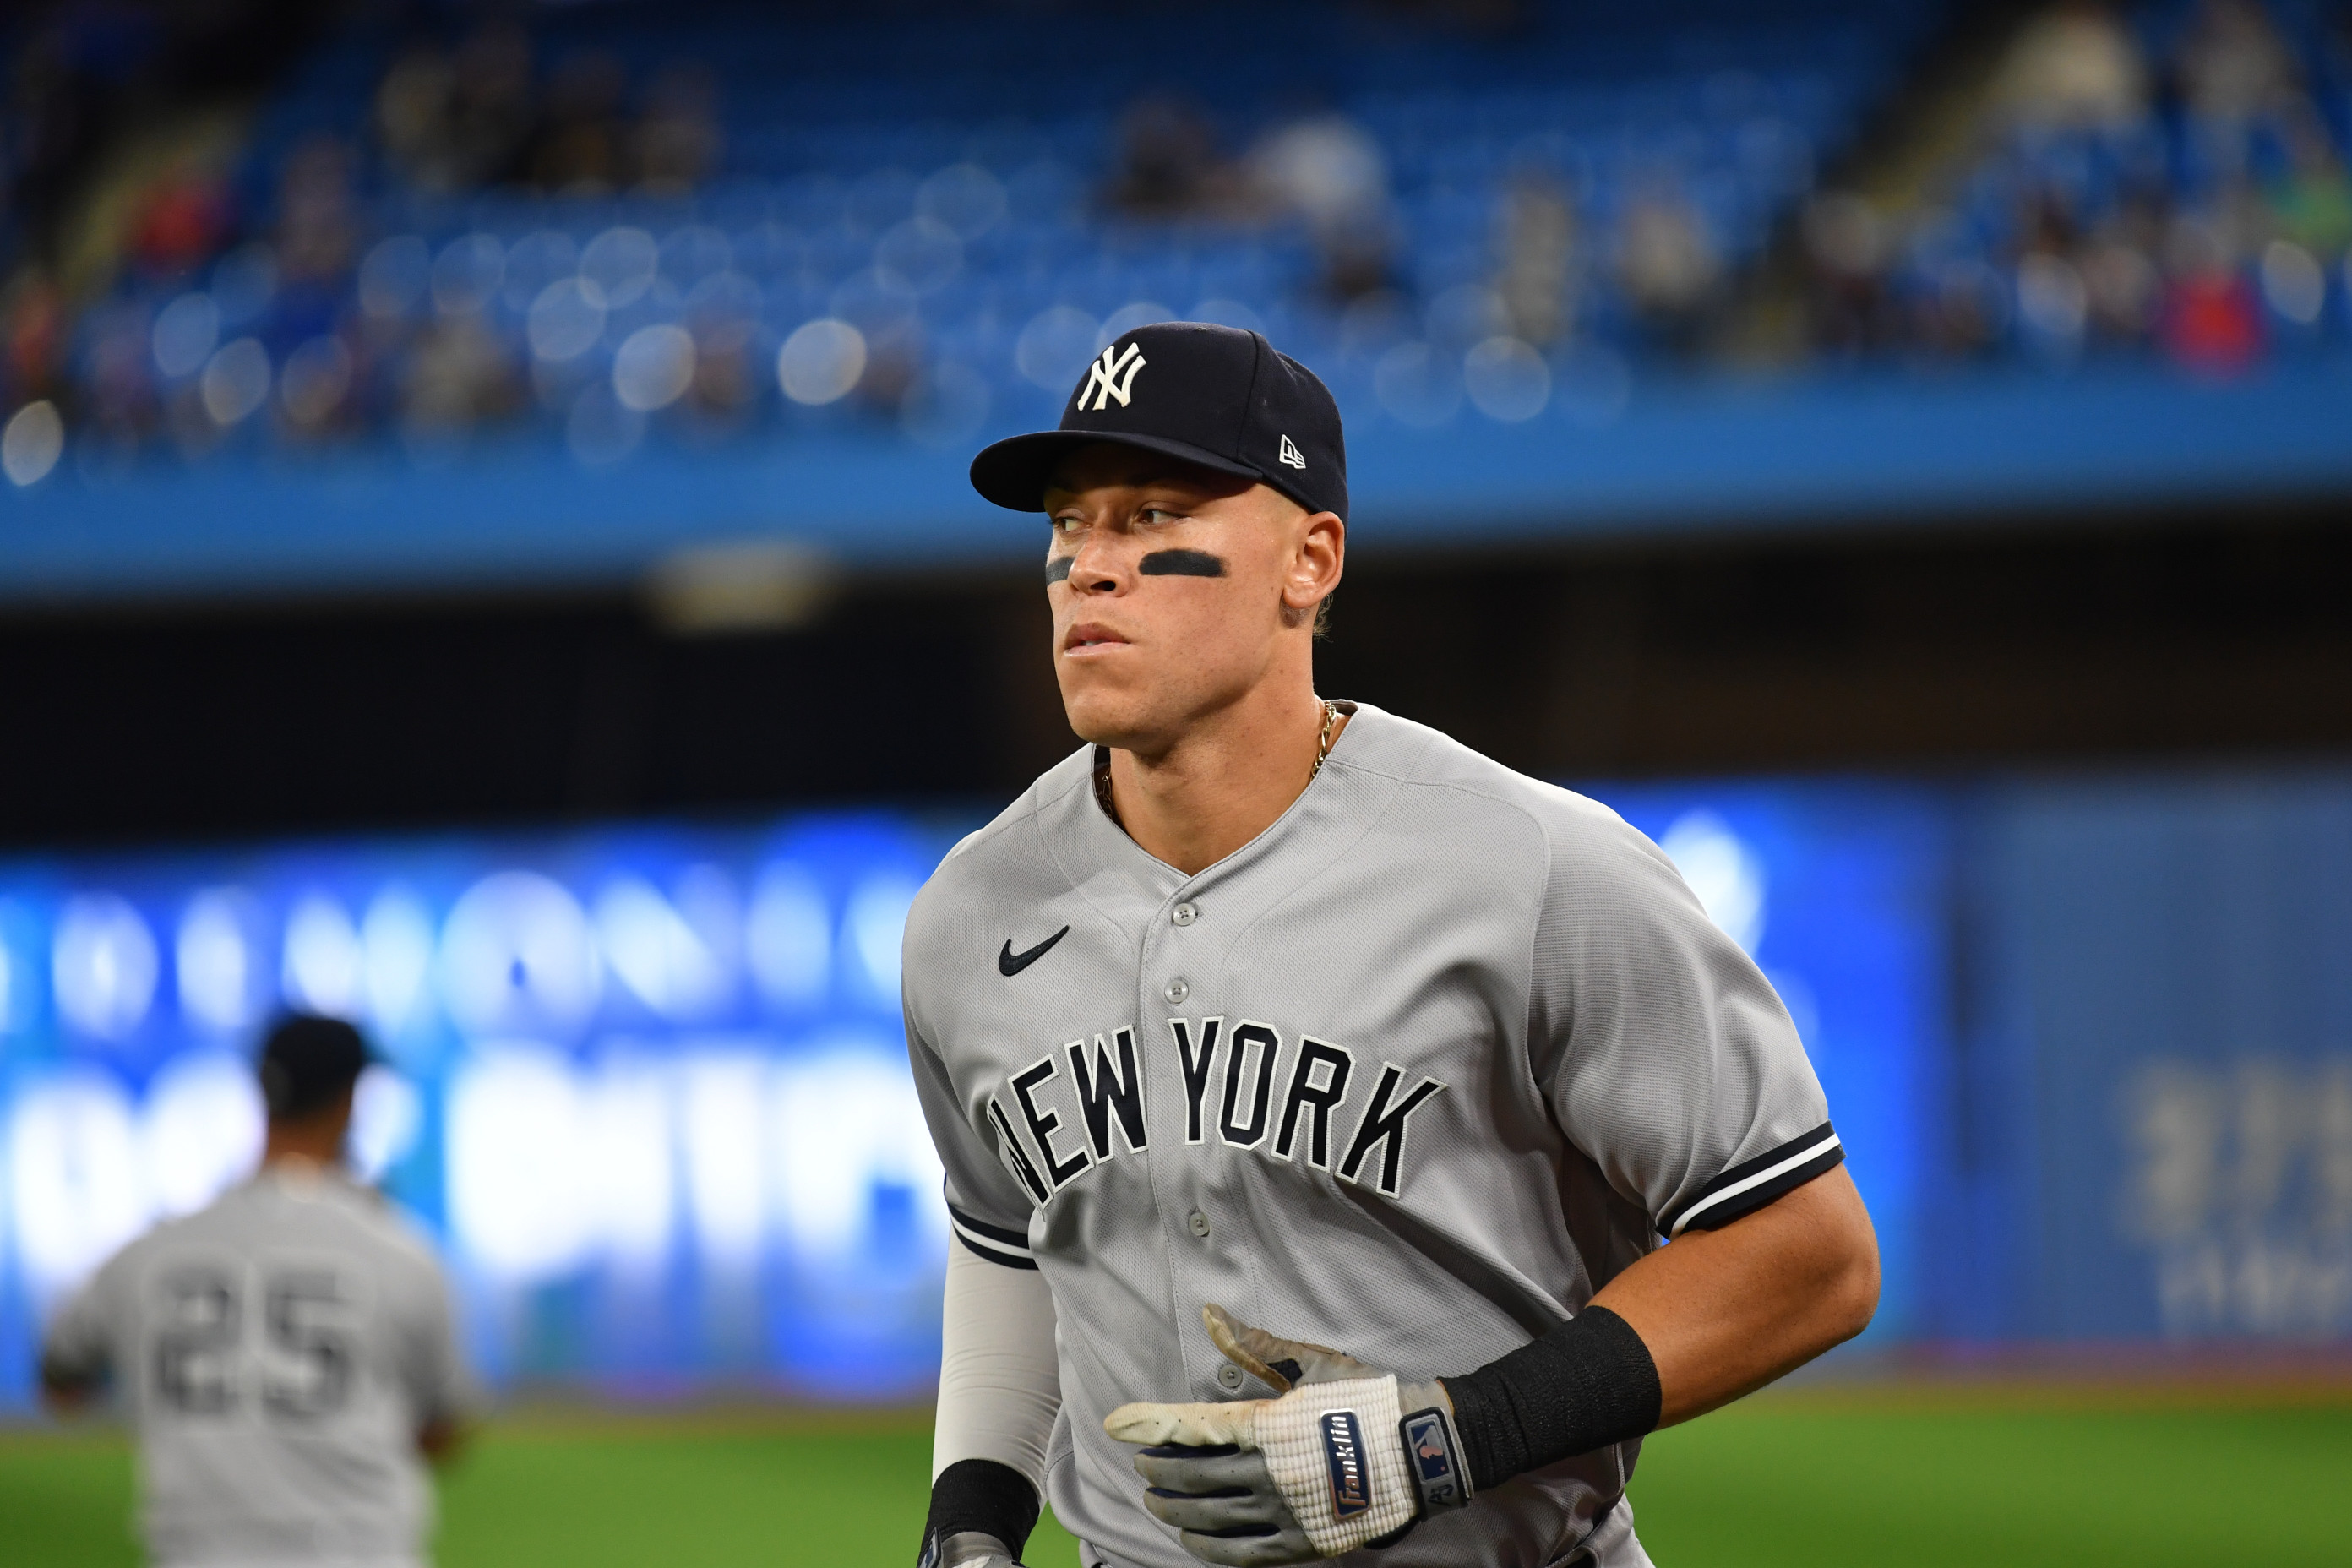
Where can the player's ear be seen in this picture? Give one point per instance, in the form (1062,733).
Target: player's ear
(1318,555)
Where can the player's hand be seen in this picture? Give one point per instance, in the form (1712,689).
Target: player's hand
(1319,1471)
(1276,1362)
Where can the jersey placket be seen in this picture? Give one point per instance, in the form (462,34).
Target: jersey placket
(1199,1183)
(1166,988)
(1178,993)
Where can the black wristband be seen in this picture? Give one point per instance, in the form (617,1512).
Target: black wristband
(984,1496)
(1586,1384)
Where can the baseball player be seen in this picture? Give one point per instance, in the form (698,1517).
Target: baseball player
(1313,1093)
(286,1352)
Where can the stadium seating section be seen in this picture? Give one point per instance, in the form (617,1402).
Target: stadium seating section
(2172,184)
(708,225)
(630,223)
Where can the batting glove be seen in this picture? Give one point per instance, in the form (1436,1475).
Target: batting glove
(1347,1457)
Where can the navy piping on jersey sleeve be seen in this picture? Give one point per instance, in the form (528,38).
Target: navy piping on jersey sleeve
(1750,1185)
(997,1243)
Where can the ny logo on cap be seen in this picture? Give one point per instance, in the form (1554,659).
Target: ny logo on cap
(1114,376)
(1291,455)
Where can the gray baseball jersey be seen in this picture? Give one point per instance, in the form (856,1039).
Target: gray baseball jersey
(280,1351)
(1412,1074)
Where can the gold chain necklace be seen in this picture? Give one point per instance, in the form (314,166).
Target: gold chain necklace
(1102,764)
(1323,741)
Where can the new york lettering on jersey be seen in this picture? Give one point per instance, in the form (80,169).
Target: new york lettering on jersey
(1073,1107)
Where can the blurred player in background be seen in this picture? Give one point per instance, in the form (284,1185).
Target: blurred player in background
(287,1353)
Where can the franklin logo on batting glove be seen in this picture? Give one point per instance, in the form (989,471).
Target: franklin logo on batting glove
(1343,1450)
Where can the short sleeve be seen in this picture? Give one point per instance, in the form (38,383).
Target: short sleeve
(79,1345)
(1665,1054)
(433,1370)
(986,1207)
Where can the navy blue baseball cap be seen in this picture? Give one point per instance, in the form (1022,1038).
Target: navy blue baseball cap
(307,1061)
(1218,396)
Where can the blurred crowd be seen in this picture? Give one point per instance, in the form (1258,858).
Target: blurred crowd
(501,229)
(73,74)
(2170,181)
(484,229)
(475,115)
(222,299)
(1330,174)
(1322,169)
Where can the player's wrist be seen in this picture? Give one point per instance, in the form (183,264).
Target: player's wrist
(976,1505)
(1587,1385)
(971,1549)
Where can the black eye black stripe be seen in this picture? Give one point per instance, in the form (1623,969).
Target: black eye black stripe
(1158,563)
(1182,563)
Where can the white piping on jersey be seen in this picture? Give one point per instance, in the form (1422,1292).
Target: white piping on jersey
(1758,1180)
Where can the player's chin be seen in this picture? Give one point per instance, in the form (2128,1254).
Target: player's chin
(1105,712)
(1103,689)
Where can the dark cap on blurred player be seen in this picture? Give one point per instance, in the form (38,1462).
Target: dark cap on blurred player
(1218,396)
(307,1062)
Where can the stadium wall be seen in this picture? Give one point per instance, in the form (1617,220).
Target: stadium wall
(2088,1040)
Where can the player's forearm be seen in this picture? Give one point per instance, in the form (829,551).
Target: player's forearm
(1000,1391)
(67,1398)
(1724,1312)
(1000,1380)
(442,1438)
(1688,1328)
(66,1389)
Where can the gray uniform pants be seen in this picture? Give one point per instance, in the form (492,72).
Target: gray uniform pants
(1610,1544)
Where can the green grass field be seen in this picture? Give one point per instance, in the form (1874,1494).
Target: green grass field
(1822,1478)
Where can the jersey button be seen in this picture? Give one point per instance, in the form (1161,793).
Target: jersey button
(1199,1223)
(1185,914)
(1229,1377)
(1177,990)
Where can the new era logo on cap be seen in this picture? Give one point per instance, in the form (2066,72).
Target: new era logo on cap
(1219,398)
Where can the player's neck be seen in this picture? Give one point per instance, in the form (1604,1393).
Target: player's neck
(304,1143)
(1224,783)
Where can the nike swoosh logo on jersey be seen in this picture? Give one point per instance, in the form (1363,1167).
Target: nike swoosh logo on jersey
(1010,963)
